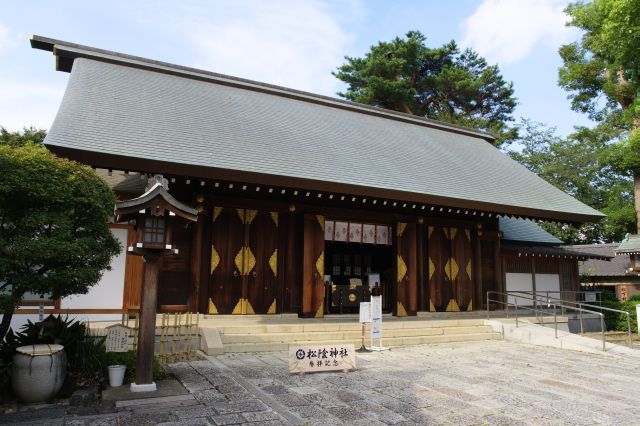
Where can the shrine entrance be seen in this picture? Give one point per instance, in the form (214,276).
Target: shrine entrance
(244,262)
(358,259)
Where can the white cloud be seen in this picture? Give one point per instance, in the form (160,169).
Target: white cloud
(38,102)
(506,31)
(293,44)
(6,41)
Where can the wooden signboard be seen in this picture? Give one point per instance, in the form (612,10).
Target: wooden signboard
(117,338)
(313,358)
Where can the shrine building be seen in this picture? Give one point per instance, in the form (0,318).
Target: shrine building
(306,203)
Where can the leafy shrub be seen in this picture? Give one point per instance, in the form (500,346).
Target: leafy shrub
(128,359)
(618,321)
(629,306)
(611,319)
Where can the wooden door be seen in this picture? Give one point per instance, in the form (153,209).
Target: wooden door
(461,260)
(227,261)
(406,269)
(450,258)
(262,279)
(313,266)
(438,255)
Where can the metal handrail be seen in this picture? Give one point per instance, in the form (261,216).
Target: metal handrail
(581,304)
(582,293)
(517,295)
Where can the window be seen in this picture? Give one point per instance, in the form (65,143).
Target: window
(357,265)
(336,265)
(154,230)
(347,265)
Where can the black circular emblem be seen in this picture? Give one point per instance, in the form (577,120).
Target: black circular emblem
(300,354)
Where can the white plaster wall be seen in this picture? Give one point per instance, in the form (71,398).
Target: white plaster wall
(107,294)
(548,282)
(519,282)
(109,291)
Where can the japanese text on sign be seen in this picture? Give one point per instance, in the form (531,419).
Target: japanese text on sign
(310,358)
(117,338)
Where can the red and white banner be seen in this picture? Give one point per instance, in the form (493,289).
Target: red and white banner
(349,232)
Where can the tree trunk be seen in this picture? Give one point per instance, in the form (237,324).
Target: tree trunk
(5,323)
(636,195)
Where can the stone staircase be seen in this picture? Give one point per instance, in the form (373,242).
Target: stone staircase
(260,334)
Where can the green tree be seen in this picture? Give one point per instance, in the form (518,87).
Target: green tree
(440,83)
(573,165)
(602,73)
(27,135)
(54,237)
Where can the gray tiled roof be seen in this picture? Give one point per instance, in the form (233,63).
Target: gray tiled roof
(616,267)
(182,118)
(630,245)
(525,230)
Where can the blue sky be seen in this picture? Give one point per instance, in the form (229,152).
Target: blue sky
(293,43)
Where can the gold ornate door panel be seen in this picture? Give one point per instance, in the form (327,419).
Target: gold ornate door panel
(227,262)
(406,293)
(313,266)
(462,254)
(263,277)
(440,268)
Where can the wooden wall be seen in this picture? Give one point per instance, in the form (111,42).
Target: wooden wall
(247,256)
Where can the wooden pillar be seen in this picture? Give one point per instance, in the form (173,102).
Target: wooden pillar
(575,278)
(533,274)
(406,270)
(422,261)
(147,332)
(499,267)
(292,286)
(480,298)
(196,267)
(313,267)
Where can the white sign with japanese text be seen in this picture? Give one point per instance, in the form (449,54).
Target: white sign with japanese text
(310,358)
(365,312)
(376,317)
(117,338)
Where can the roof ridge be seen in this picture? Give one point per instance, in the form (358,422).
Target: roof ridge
(71,51)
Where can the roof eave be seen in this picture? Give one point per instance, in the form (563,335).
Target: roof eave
(144,165)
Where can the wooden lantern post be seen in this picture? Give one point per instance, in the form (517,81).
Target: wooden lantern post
(152,213)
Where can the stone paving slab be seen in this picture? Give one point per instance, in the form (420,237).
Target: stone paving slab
(471,383)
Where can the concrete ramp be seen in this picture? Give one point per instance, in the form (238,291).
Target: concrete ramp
(529,331)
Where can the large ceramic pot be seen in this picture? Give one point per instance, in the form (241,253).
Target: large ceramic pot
(38,372)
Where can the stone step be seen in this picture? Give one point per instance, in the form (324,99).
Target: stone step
(348,335)
(244,326)
(387,342)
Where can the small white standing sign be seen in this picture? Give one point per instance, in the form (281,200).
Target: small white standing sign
(638,315)
(117,338)
(365,312)
(376,323)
